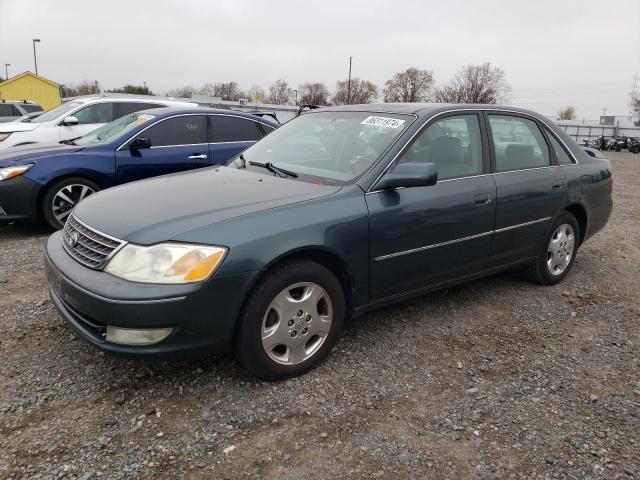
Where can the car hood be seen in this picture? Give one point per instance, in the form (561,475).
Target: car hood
(28,153)
(161,208)
(18,126)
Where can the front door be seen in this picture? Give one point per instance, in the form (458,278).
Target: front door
(530,188)
(424,236)
(177,143)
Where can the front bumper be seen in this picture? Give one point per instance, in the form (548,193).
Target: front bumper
(18,199)
(202,315)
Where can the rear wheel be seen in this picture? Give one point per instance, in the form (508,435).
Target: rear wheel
(291,321)
(559,253)
(62,196)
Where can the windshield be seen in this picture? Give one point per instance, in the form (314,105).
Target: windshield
(327,147)
(114,130)
(55,112)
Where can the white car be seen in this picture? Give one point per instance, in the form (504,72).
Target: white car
(76,118)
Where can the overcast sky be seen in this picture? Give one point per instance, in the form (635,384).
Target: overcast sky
(554,53)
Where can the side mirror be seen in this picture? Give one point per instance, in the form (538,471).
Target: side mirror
(409,175)
(140,143)
(70,121)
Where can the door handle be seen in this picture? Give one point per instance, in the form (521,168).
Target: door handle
(198,156)
(558,184)
(482,199)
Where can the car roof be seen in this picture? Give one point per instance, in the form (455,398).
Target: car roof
(99,98)
(419,109)
(168,111)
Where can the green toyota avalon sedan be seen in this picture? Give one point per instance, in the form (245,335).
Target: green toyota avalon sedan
(339,211)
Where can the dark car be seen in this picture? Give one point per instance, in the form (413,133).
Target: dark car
(49,180)
(339,211)
(17,110)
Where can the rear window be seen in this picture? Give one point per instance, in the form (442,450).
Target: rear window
(8,110)
(30,108)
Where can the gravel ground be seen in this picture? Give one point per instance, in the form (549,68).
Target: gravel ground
(498,378)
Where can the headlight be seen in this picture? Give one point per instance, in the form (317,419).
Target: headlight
(10,172)
(4,136)
(166,263)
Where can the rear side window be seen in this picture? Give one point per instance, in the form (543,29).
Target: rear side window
(518,143)
(96,113)
(125,108)
(184,130)
(30,108)
(8,110)
(232,129)
(561,154)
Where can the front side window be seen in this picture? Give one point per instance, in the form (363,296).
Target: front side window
(96,113)
(54,113)
(518,143)
(224,128)
(114,130)
(327,147)
(561,154)
(183,130)
(453,144)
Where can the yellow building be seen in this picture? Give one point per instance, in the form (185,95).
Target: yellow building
(31,87)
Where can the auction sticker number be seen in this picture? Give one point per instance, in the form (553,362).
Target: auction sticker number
(383,122)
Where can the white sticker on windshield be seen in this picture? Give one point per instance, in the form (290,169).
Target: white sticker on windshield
(383,122)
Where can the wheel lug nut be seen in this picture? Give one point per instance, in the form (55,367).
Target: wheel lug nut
(290,323)
(299,313)
(305,330)
(294,333)
(308,318)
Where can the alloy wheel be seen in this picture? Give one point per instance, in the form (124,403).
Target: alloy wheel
(297,323)
(67,198)
(560,250)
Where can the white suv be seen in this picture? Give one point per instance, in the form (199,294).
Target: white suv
(76,118)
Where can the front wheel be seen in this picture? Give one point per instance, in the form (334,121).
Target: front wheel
(291,321)
(62,196)
(559,253)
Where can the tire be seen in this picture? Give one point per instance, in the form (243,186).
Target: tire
(62,196)
(294,343)
(550,269)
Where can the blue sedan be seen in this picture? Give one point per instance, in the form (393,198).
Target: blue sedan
(47,181)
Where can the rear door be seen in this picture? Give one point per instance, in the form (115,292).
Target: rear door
(177,143)
(530,186)
(230,135)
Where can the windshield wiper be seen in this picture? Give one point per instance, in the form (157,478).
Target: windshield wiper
(71,141)
(272,168)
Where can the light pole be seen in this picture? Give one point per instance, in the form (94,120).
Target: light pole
(349,84)
(35,60)
(6,70)
(296,94)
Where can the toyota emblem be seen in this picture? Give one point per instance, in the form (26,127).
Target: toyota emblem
(72,241)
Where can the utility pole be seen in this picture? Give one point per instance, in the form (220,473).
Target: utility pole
(35,59)
(6,71)
(296,94)
(349,84)
(633,94)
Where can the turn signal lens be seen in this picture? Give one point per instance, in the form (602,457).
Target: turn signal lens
(166,263)
(10,172)
(4,136)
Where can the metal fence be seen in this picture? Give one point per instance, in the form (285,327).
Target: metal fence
(580,132)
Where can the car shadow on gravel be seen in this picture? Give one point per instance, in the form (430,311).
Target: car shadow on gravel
(24,230)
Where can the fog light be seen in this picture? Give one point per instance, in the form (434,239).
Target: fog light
(136,336)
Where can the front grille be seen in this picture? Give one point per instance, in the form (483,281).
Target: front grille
(87,246)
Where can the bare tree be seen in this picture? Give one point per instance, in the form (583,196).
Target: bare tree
(279,93)
(85,87)
(208,90)
(476,84)
(256,93)
(635,105)
(228,91)
(362,91)
(567,113)
(313,94)
(412,85)
(182,92)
